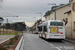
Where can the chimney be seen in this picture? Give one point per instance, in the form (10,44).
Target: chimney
(54,7)
(70,1)
(62,4)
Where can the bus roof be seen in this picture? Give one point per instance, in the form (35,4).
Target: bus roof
(54,20)
(50,21)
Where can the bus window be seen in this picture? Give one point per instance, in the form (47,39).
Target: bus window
(55,23)
(40,28)
(45,28)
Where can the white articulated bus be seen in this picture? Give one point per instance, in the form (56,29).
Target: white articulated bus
(52,29)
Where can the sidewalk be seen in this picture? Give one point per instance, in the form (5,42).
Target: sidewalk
(70,40)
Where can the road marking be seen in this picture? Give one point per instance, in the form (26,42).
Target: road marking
(57,48)
(46,42)
(52,46)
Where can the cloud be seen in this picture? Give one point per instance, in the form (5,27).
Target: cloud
(26,9)
(29,24)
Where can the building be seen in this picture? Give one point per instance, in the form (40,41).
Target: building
(70,26)
(50,15)
(63,12)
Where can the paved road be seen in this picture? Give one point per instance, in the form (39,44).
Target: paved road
(33,42)
(5,37)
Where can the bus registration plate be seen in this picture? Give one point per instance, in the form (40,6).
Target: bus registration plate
(54,29)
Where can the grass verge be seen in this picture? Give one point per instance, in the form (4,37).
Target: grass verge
(12,34)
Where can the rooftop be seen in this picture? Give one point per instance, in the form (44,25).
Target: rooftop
(56,9)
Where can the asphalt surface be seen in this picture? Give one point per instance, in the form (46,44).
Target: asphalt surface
(33,42)
(5,37)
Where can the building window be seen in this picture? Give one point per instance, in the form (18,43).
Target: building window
(73,8)
(40,28)
(46,17)
(45,28)
(70,0)
(74,26)
(66,21)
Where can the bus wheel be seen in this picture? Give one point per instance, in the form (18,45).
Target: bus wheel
(60,40)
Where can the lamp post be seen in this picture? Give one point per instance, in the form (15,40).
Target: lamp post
(36,23)
(55,10)
(39,13)
(41,17)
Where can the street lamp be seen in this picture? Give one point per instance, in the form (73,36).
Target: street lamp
(35,22)
(55,10)
(51,4)
(41,16)
(39,13)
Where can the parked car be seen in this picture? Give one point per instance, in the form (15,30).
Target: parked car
(35,32)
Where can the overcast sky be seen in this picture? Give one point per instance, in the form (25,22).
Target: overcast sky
(26,9)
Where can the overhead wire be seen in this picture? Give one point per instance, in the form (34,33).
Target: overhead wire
(6,11)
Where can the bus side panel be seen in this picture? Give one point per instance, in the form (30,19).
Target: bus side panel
(47,33)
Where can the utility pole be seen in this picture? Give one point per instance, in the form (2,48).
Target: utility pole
(7,20)
(55,10)
(35,24)
(39,13)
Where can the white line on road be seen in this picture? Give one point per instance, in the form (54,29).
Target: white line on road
(57,48)
(52,46)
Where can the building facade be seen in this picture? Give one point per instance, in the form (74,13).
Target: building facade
(70,27)
(59,12)
(63,12)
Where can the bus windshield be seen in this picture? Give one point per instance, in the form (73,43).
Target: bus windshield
(56,23)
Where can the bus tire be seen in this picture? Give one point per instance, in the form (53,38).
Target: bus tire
(60,40)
